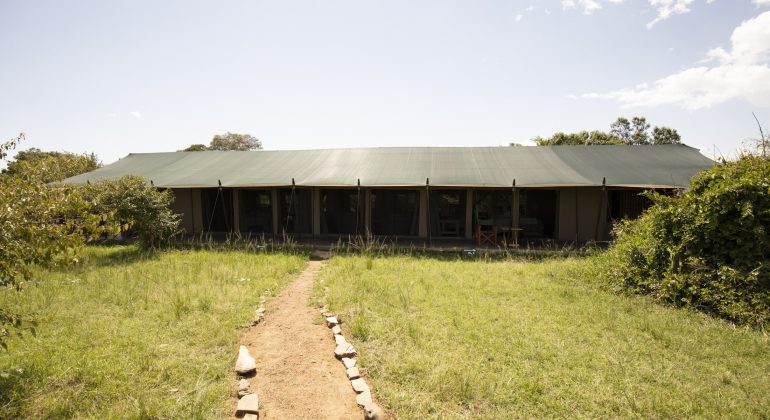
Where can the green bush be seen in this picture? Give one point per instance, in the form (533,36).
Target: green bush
(138,207)
(706,248)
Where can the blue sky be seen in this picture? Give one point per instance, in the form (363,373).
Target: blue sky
(141,76)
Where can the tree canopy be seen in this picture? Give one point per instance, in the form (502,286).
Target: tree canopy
(51,166)
(623,131)
(228,141)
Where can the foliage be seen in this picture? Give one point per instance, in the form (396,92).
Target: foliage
(137,206)
(51,166)
(228,141)
(581,138)
(196,148)
(454,339)
(40,225)
(234,141)
(130,334)
(623,131)
(665,135)
(707,248)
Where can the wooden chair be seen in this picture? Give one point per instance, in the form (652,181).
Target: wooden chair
(486,234)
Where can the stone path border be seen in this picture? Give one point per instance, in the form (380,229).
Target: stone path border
(246,366)
(346,353)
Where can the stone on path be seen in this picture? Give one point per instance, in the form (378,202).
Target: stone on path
(336,329)
(373,412)
(331,321)
(340,340)
(364,399)
(245,363)
(251,417)
(243,388)
(261,310)
(348,362)
(345,350)
(248,404)
(353,373)
(359,385)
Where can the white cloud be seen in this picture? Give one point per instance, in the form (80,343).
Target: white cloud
(762,2)
(588,6)
(136,114)
(742,73)
(668,8)
(530,8)
(519,17)
(112,114)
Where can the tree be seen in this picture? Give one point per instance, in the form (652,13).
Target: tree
(578,139)
(51,166)
(665,135)
(234,141)
(40,226)
(228,141)
(623,131)
(196,148)
(136,206)
(636,131)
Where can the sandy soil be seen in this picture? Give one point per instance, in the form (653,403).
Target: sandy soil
(298,376)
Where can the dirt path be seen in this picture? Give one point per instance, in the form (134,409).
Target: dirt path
(297,374)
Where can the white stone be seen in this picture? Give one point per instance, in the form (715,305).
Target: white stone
(345,350)
(336,329)
(340,340)
(348,362)
(251,417)
(243,384)
(331,321)
(359,385)
(364,399)
(373,412)
(261,310)
(245,363)
(248,404)
(353,373)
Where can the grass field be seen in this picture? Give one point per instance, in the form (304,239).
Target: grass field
(444,339)
(126,335)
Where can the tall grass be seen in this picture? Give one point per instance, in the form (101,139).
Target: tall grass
(513,339)
(133,335)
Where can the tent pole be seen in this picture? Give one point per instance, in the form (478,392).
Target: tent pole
(427,193)
(224,209)
(214,209)
(577,190)
(358,205)
(514,215)
(291,204)
(599,213)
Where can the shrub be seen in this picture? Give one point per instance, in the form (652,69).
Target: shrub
(706,248)
(138,207)
(40,225)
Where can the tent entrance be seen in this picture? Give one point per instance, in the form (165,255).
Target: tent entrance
(255,211)
(395,212)
(447,213)
(538,213)
(492,208)
(342,212)
(217,209)
(626,204)
(295,210)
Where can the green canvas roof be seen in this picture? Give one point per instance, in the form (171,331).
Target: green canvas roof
(535,166)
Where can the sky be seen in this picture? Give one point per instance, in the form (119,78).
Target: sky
(126,77)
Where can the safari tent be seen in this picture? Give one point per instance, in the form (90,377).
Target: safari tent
(488,194)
